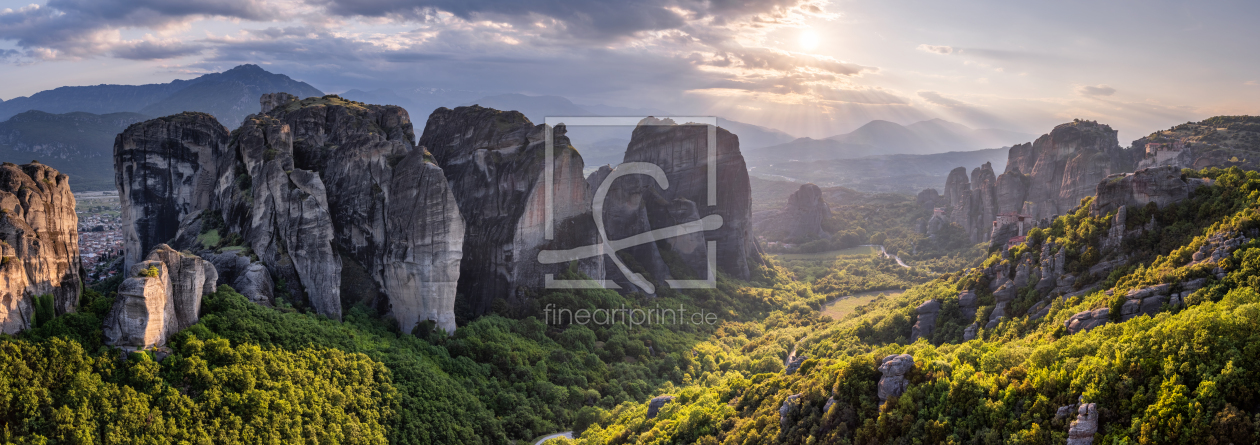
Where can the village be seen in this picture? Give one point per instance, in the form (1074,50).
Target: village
(100,234)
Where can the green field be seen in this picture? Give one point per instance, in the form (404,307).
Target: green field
(831,254)
(842,306)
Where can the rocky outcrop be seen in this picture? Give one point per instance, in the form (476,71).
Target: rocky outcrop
(1085,426)
(926,319)
(1042,179)
(791,404)
(794,363)
(1084,321)
(161,297)
(637,204)
(894,369)
(1159,185)
(167,169)
(495,162)
(324,200)
(799,221)
(658,402)
(929,199)
(39,243)
(971,331)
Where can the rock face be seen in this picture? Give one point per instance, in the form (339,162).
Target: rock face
(792,403)
(1042,179)
(926,319)
(894,369)
(636,204)
(1085,426)
(161,297)
(166,169)
(794,363)
(39,243)
(1159,185)
(1084,321)
(797,222)
(495,164)
(325,199)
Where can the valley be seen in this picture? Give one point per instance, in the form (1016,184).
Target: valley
(329,269)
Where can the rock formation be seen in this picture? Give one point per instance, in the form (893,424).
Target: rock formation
(794,363)
(166,169)
(1042,179)
(161,296)
(636,203)
(1085,426)
(326,199)
(926,319)
(658,402)
(799,221)
(1159,185)
(1084,321)
(894,369)
(495,164)
(929,199)
(790,404)
(39,243)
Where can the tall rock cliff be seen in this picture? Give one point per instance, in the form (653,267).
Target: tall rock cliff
(39,243)
(638,203)
(495,162)
(1044,178)
(799,221)
(329,195)
(161,296)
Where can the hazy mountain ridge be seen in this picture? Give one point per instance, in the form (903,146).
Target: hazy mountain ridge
(229,96)
(78,144)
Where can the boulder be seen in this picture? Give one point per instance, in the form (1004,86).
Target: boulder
(1084,321)
(39,243)
(1085,426)
(926,322)
(968,303)
(792,403)
(658,402)
(794,363)
(893,382)
(971,331)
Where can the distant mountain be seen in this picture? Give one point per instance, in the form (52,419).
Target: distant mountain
(885,138)
(229,96)
(901,173)
(78,144)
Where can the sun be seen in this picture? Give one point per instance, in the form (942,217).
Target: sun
(809,39)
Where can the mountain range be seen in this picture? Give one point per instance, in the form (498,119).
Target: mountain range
(78,144)
(229,96)
(886,138)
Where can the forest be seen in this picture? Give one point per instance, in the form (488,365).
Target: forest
(246,373)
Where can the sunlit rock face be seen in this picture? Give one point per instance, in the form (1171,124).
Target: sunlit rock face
(161,296)
(322,201)
(495,162)
(1044,178)
(39,243)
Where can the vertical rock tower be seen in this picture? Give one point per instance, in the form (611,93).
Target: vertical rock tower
(329,195)
(495,162)
(39,243)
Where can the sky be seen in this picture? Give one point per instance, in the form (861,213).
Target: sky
(812,68)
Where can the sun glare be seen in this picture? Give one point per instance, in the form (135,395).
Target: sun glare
(809,39)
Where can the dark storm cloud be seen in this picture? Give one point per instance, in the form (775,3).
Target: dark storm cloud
(580,18)
(81,28)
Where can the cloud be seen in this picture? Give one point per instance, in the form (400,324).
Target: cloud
(1095,91)
(72,29)
(152,50)
(1251,83)
(936,49)
(936,98)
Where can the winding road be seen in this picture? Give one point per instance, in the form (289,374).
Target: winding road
(885,252)
(566,435)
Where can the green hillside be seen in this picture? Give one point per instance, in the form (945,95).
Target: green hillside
(81,145)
